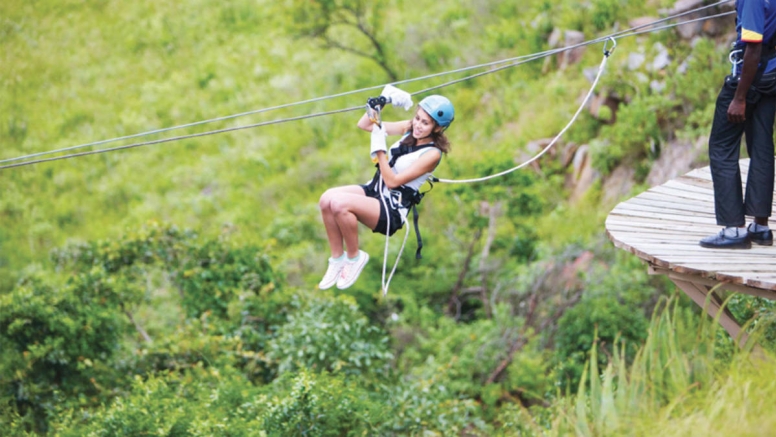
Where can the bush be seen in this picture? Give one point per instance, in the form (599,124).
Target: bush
(634,136)
(320,405)
(605,316)
(329,334)
(198,403)
(56,346)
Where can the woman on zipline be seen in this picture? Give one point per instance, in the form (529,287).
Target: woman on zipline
(383,203)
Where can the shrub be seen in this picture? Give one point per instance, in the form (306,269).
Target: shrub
(56,344)
(329,334)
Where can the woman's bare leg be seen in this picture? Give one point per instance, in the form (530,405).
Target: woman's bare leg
(333,232)
(349,209)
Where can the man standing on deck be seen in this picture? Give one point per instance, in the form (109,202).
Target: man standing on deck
(746,106)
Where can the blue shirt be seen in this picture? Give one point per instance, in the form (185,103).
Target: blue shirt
(755,23)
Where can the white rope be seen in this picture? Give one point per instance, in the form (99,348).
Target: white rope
(549,146)
(385,284)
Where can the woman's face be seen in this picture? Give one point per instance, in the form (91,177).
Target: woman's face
(422,124)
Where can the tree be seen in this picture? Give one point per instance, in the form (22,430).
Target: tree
(353,26)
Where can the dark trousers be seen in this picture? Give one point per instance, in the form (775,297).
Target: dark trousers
(724,146)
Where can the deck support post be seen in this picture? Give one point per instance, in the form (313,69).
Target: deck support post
(711,303)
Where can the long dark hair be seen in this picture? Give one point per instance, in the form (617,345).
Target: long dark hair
(438,137)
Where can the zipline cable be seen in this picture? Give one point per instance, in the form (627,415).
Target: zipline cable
(181,137)
(525,59)
(318,99)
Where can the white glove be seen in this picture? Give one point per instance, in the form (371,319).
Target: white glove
(399,98)
(378,140)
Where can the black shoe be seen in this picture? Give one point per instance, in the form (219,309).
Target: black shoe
(722,241)
(763,238)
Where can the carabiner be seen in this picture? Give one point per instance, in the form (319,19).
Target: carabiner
(608,52)
(374,114)
(734,58)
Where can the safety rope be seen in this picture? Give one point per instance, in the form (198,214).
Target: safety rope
(512,62)
(601,68)
(386,284)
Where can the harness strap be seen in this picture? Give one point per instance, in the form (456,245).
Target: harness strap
(417,231)
(410,198)
(396,153)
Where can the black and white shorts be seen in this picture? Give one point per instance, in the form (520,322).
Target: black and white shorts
(396,217)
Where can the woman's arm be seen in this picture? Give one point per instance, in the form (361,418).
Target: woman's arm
(425,164)
(390,127)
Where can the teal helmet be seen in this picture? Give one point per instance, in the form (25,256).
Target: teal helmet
(439,108)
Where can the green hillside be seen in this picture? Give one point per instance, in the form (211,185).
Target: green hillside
(170,289)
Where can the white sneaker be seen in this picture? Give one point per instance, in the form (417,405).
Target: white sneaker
(351,270)
(333,272)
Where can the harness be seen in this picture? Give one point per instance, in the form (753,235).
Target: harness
(763,83)
(403,196)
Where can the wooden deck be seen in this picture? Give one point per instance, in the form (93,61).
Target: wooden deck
(663,226)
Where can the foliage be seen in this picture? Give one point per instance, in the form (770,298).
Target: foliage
(320,405)
(758,310)
(635,136)
(130,330)
(329,335)
(199,403)
(353,26)
(209,276)
(610,315)
(57,344)
(65,342)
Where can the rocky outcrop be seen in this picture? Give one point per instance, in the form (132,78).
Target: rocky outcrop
(582,176)
(677,158)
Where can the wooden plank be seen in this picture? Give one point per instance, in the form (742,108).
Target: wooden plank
(672,218)
(634,224)
(769,284)
(673,210)
(696,182)
(705,191)
(648,225)
(731,267)
(654,196)
(640,220)
(658,237)
(689,252)
(717,260)
(654,231)
(686,205)
(680,193)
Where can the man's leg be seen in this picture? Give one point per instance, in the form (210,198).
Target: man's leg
(759,184)
(759,144)
(724,145)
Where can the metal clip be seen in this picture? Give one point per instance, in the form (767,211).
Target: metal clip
(736,56)
(374,108)
(608,52)
(374,114)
